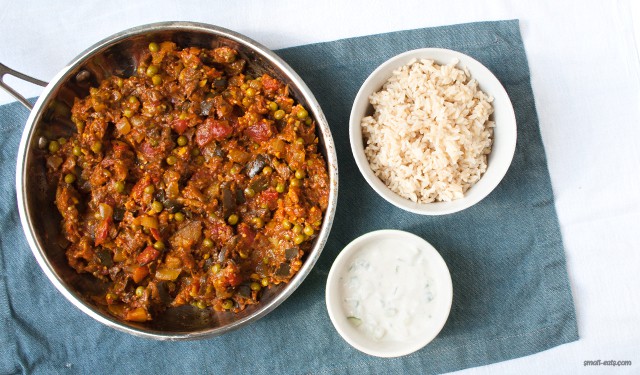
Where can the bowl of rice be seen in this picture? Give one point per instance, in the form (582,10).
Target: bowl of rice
(432,131)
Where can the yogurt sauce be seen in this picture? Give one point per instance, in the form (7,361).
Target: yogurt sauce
(387,291)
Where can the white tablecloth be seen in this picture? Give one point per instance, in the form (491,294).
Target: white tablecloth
(585,72)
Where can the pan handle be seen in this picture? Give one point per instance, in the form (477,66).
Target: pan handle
(5,70)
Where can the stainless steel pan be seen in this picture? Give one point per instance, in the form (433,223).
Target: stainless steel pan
(49,119)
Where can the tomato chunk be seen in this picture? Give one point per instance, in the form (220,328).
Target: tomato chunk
(212,129)
(156,234)
(269,84)
(179,126)
(147,255)
(260,132)
(102,231)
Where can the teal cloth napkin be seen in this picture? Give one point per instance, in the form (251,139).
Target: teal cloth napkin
(511,292)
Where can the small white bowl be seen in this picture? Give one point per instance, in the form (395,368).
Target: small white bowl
(423,327)
(504,138)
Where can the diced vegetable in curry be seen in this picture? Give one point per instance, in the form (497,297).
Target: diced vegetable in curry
(188,183)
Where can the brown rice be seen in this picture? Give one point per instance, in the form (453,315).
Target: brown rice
(430,135)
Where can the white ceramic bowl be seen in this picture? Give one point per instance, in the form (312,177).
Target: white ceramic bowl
(423,327)
(504,140)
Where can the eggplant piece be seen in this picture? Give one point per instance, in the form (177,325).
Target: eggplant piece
(222,255)
(283,270)
(205,107)
(240,197)
(163,292)
(228,202)
(291,253)
(160,195)
(105,257)
(260,184)
(208,263)
(244,291)
(171,206)
(256,165)
(220,84)
(118,213)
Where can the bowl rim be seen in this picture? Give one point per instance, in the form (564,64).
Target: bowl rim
(499,167)
(28,138)
(334,308)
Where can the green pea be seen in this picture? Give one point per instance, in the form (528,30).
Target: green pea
(295,182)
(267,170)
(154,47)
(250,92)
(308,121)
(297,229)
(215,268)
(235,169)
(299,239)
(199,160)
(273,106)
(201,305)
(233,219)
(278,115)
(149,189)
(127,113)
(139,291)
(133,100)
(255,287)
(280,187)
(69,178)
(119,186)
(249,192)
(182,140)
(302,114)
(157,206)
(152,70)
(157,80)
(264,282)
(300,174)
(96,147)
(308,231)
(171,160)
(300,141)
(54,146)
(62,141)
(258,222)
(286,224)
(179,217)
(207,242)
(158,245)
(227,304)
(153,142)
(77,151)
(195,152)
